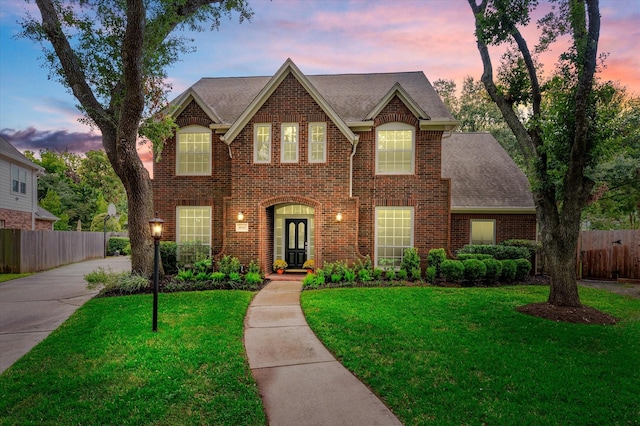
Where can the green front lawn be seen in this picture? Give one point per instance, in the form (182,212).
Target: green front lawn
(466,356)
(105,366)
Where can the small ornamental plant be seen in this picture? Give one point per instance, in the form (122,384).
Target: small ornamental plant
(309,264)
(279,264)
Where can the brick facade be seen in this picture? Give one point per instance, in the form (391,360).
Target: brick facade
(237,184)
(15,219)
(508,226)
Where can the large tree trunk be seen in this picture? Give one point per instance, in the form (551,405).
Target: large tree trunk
(135,178)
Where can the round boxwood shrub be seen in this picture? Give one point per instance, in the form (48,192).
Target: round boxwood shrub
(452,270)
(509,269)
(474,269)
(523,267)
(431,274)
(494,269)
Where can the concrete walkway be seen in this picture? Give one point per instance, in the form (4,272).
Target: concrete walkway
(300,382)
(32,307)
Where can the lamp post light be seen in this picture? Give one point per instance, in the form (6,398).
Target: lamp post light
(155,225)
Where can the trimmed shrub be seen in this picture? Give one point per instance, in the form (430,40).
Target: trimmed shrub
(416,274)
(116,244)
(523,267)
(228,265)
(410,259)
(452,270)
(402,274)
(474,269)
(435,258)
(509,270)
(431,274)
(390,274)
(499,252)
(532,246)
(494,269)
(478,256)
(377,273)
(168,254)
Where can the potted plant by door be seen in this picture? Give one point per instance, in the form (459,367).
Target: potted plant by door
(309,265)
(279,266)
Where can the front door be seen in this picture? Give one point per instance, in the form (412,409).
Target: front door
(295,252)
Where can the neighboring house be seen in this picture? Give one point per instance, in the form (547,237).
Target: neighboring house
(19,192)
(323,167)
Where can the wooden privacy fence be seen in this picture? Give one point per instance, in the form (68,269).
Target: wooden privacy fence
(609,255)
(32,251)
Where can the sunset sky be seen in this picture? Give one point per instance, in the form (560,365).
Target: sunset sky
(320,36)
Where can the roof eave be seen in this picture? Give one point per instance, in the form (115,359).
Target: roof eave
(444,125)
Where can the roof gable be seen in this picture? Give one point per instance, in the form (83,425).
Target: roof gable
(182,101)
(287,68)
(397,90)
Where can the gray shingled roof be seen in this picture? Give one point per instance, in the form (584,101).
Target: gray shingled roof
(11,152)
(352,96)
(483,176)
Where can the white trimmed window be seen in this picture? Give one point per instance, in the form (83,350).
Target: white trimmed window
(395,149)
(317,142)
(262,143)
(394,233)
(483,231)
(289,146)
(193,231)
(18,180)
(193,151)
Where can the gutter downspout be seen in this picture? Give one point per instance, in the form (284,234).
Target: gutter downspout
(353,153)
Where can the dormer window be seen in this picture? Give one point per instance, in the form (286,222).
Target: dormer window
(395,149)
(193,151)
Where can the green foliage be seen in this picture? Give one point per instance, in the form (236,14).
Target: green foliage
(410,259)
(494,269)
(169,256)
(416,274)
(253,279)
(309,281)
(377,273)
(431,274)
(228,264)
(390,274)
(531,245)
(191,252)
(435,258)
(217,277)
(98,277)
(523,267)
(254,267)
(98,223)
(478,256)
(474,269)
(509,270)
(402,274)
(365,264)
(364,275)
(349,275)
(452,270)
(116,284)
(203,265)
(117,244)
(499,252)
(235,277)
(185,275)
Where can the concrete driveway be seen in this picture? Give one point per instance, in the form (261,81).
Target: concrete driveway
(32,307)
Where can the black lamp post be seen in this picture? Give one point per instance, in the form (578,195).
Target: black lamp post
(156,232)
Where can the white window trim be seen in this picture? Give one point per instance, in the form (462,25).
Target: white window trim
(21,171)
(324,142)
(398,126)
(471,221)
(255,143)
(282,126)
(193,129)
(375,240)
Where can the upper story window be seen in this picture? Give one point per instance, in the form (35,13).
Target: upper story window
(262,143)
(289,146)
(18,180)
(193,151)
(395,149)
(483,231)
(317,142)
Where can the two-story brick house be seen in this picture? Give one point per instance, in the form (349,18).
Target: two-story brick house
(322,167)
(19,207)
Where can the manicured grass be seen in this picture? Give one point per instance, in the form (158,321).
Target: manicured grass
(8,277)
(105,366)
(466,356)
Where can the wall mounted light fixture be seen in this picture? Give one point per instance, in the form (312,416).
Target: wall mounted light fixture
(240,216)
(339,217)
